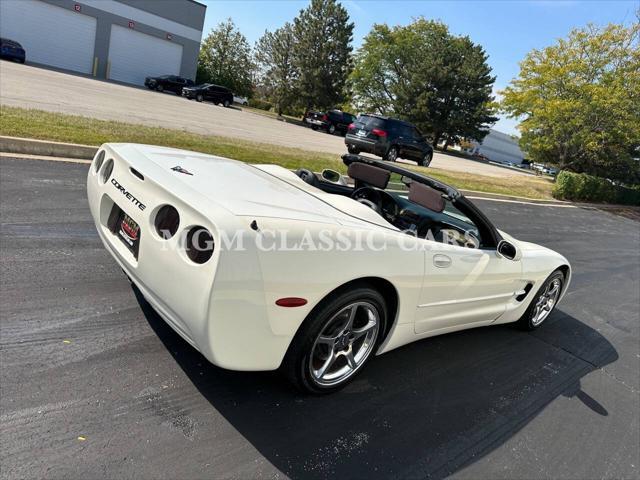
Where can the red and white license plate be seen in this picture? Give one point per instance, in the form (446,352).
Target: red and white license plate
(126,229)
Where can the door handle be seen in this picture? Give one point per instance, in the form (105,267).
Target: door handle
(441,261)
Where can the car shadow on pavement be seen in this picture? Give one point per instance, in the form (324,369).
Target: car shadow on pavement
(425,410)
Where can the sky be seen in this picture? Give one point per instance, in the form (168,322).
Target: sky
(507,29)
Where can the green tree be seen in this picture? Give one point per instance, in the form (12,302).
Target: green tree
(276,70)
(422,73)
(225,59)
(579,101)
(321,53)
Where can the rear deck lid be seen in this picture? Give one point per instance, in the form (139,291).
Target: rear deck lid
(236,186)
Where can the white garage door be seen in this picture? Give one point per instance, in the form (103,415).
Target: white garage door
(50,35)
(134,55)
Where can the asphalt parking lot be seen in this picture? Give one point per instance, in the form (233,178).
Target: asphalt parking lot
(95,385)
(31,87)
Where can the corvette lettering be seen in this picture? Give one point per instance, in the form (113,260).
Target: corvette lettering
(124,191)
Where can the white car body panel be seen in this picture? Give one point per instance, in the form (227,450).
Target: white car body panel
(226,307)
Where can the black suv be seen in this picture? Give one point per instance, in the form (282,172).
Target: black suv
(333,121)
(388,138)
(207,91)
(338,121)
(171,83)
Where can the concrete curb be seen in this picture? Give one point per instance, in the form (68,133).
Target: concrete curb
(45,148)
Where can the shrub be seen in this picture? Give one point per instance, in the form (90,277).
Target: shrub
(261,104)
(587,188)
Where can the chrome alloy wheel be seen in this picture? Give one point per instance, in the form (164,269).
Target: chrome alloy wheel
(344,344)
(546,301)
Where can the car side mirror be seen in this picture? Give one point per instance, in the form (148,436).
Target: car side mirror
(332,176)
(508,250)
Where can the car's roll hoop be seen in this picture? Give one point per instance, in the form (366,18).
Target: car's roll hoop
(450,192)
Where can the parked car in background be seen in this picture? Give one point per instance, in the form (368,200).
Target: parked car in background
(171,83)
(388,138)
(212,93)
(331,121)
(12,50)
(240,100)
(315,119)
(544,169)
(338,121)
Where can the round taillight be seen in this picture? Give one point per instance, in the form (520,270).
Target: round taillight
(199,245)
(106,170)
(167,221)
(97,163)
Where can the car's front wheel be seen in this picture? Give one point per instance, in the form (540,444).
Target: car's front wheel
(332,129)
(543,302)
(199,98)
(226,104)
(336,340)
(160,88)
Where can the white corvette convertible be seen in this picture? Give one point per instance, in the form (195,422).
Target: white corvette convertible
(260,268)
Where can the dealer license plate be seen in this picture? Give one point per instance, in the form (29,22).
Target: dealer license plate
(126,229)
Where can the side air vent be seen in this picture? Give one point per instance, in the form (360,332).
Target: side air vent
(137,173)
(524,292)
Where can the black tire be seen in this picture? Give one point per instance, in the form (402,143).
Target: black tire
(314,127)
(226,104)
(296,365)
(426,159)
(160,88)
(332,129)
(392,154)
(353,149)
(199,98)
(527,321)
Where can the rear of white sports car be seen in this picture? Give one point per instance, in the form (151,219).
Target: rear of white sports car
(150,209)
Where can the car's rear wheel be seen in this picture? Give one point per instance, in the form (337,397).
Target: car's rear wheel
(199,98)
(353,149)
(543,302)
(426,159)
(332,129)
(160,88)
(336,340)
(392,154)
(226,104)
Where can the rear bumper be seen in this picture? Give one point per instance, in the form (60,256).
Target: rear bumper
(363,144)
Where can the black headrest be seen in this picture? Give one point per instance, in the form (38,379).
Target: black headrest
(426,197)
(374,176)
